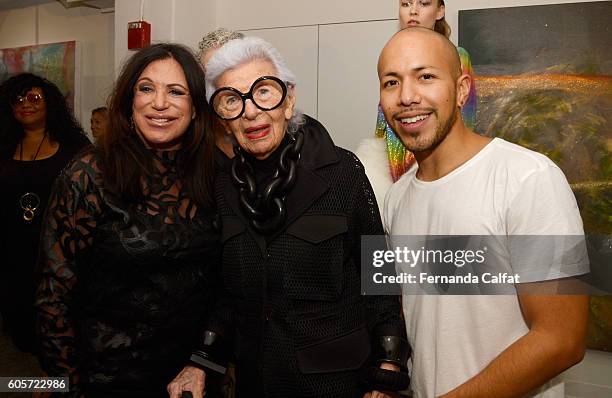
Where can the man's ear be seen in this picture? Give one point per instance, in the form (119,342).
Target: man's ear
(464,84)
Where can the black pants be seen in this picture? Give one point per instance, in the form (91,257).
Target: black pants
(17,307)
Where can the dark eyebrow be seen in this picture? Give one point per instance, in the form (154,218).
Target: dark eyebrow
(415,69)
(420,68)
(391,74)
(177,85)
(167,85)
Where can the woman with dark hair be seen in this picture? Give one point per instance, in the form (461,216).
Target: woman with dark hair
(129,241)
(38,137)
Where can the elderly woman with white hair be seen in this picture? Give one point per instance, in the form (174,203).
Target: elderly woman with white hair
(293,207)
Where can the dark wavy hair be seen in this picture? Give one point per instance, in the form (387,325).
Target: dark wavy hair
(125,163)
(60,123)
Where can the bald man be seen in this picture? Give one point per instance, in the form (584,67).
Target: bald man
(467,184)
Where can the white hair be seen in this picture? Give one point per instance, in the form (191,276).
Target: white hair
(240,51)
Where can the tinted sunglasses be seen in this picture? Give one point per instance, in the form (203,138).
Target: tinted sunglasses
(32,98)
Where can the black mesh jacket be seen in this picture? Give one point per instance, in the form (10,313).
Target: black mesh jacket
(292,301)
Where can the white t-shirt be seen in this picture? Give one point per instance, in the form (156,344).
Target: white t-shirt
(505,189)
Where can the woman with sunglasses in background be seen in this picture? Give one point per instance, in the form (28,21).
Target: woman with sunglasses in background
(38,136)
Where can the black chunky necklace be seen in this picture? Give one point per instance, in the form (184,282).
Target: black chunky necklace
(265,208)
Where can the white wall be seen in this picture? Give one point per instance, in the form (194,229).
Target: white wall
(94,33)
(249,14)
(129,11)
(591,377)
(348,83)
(180,21)
(299,45)
(18,27)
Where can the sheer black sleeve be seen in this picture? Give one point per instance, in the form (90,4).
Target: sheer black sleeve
(214,348)
(380,310)
(69,221)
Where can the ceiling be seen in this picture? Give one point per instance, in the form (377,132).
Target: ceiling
(11,4)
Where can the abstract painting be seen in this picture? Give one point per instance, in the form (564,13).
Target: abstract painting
(544,81)
(55,61)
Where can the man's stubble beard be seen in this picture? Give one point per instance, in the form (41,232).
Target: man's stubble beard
(440,134)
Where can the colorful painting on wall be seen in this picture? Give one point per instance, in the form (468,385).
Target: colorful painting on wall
(544,81)
(55,61)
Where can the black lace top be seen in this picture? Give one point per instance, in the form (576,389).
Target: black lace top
(124,286)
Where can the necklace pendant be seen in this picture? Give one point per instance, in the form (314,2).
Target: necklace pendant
(29,202)
(28,214)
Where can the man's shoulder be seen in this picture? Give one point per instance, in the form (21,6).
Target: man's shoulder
(514,152)
(517,160)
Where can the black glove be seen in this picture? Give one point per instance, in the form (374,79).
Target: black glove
(212,355)
(388,346)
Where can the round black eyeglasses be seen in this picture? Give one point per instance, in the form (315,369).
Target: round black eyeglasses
(266,93)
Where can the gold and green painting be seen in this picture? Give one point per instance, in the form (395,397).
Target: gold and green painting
(544,81)
(54,61)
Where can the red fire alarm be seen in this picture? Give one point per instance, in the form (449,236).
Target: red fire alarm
(139,35)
